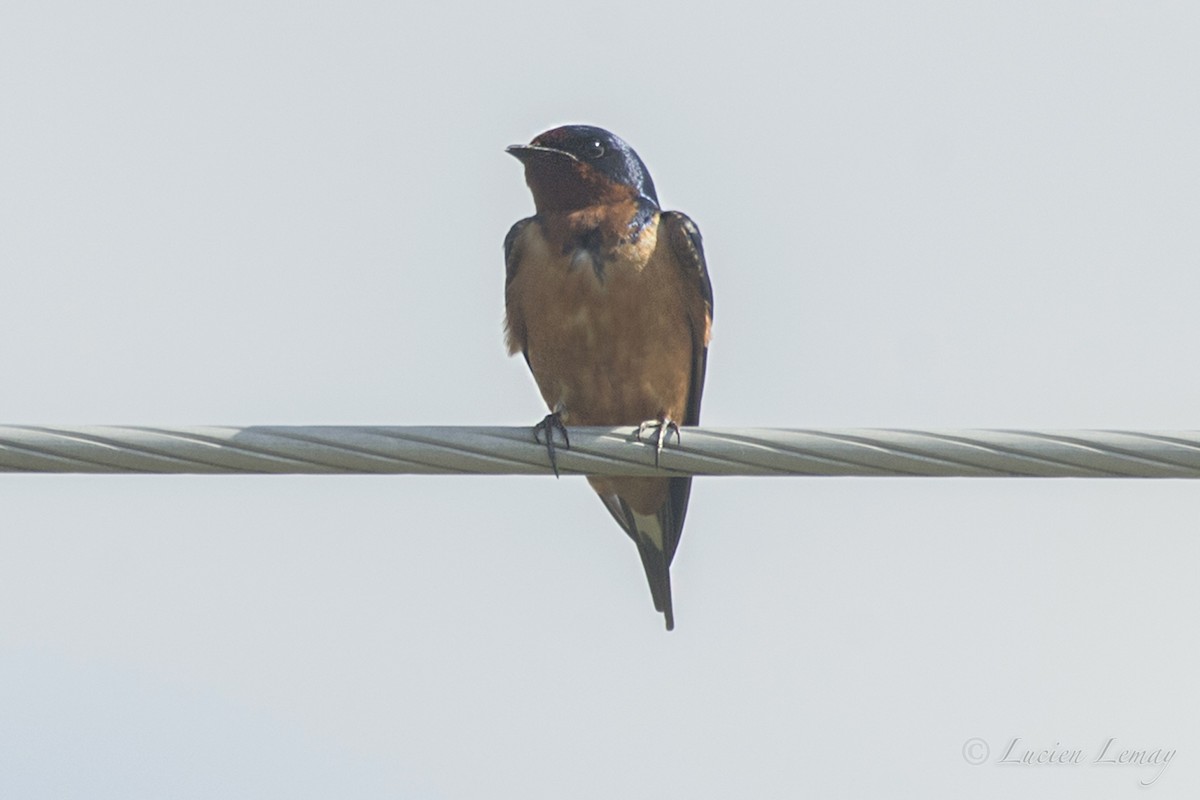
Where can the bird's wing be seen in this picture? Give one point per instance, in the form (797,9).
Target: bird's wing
(514,321)
(688,249)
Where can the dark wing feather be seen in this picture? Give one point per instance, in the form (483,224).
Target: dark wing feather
(688,249)
(512,258)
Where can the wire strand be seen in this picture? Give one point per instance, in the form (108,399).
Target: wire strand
(413,450)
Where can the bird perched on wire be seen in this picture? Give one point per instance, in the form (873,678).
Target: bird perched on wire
(609,300)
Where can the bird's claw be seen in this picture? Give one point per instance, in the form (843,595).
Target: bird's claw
(663,428)
(552,422)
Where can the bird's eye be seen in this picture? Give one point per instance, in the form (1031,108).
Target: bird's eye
(594,149)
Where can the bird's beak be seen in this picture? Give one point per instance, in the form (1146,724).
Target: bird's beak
(528,152)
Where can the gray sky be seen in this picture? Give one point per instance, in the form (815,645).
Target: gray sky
(922,215)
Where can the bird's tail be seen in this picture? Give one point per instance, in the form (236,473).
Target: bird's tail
(656,536)
(654,561)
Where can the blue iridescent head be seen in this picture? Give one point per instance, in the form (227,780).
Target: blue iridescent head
(576,166)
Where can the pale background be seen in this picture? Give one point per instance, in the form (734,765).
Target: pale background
(928,214)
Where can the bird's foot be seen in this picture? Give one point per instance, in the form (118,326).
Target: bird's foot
(663,428)
(552,422)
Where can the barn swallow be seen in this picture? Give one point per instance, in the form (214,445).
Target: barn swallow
(608,299)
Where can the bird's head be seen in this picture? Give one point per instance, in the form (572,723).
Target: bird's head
(577,166)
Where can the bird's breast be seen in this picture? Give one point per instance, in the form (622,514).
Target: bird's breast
(606,333)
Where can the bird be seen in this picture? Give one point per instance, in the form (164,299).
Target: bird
(609,300)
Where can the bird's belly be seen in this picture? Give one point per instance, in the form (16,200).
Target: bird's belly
(610,346)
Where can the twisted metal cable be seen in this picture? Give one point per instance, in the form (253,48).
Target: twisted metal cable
(267,449)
